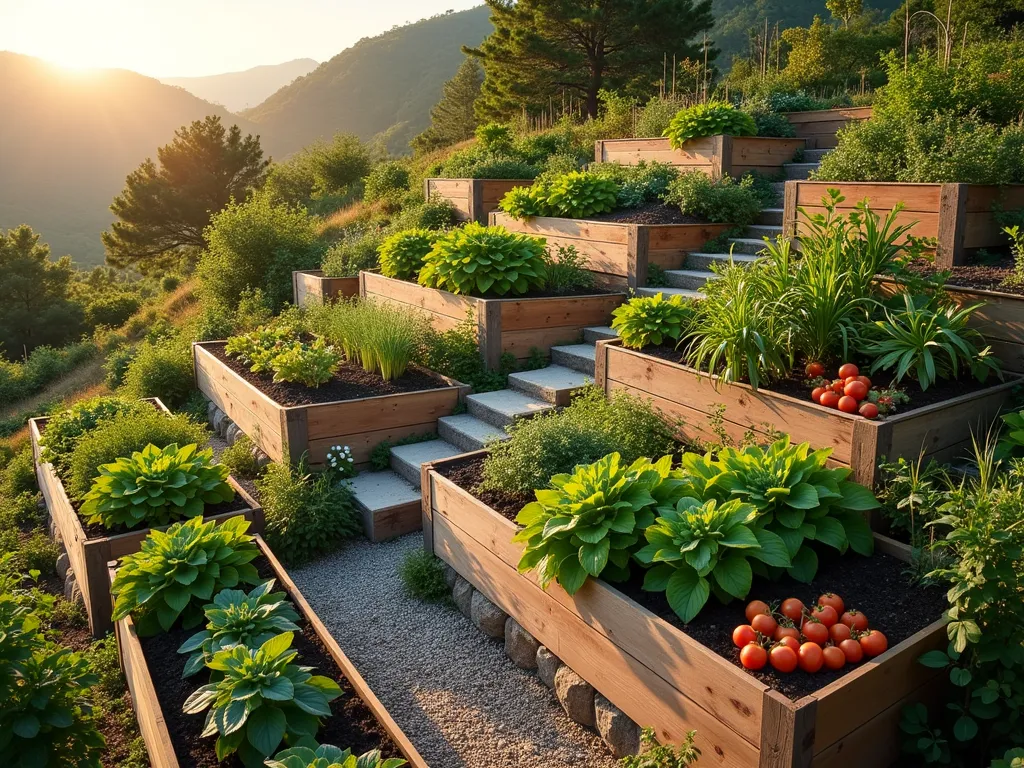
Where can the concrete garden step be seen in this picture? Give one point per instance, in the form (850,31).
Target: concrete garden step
(503,407)
(799,170)
(388,503)
(597,332)
(814,155)
(686,293)
(554,384)
(579,357)
(760,231)
(705,260)
(748,245)
(779,188)
(468,432)
(406,459)
(771,216)
(693,279)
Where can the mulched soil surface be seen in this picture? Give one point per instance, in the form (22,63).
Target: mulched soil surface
(878,586)
(349,383)
(351,725)
(987,276)
(652,213)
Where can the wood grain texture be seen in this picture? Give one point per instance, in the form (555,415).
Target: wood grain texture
(714,155)
(311,288)
(787,732)
(473,199)
(819,128)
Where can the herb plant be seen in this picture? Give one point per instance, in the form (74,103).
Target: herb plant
(476,260)
(326,756)
(64,429)
(719,201)
(401,254)
(567,271)
(656,755)
(710,119)
(379,336)
(649,321)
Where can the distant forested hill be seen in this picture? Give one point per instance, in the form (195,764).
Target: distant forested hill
(242,90)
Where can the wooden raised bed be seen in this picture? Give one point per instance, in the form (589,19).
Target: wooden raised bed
(957,217)
(150,716)
(89,556)
(662,678)
(473,199)
(699,412)
(619,254)
(819,127)
(513,325)
(717,156)
(311,287)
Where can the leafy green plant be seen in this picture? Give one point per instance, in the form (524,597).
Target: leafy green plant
(477,260)
(1017,248)
(401,254)
(567,271)
(241,459)
(237,618)
(65,428)
(177,568)
(423,576)
(645,182)
(652,320)
(326,756)
(524,202)
(455,353)
(494,135)
(310,364)
(386,184)
(710,119)
(162,369)
(580,194)
(355,251)
(1011,442)
(656,755)
(258,348)
(156,486)
(719,201)
(261,699)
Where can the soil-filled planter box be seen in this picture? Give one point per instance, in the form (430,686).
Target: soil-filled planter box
(957,217)
(663,678)
(819,127)
(513,325)
(717,156)
(311,287)
(153,720)
(89,554)
(619,254)
(473,199)
(698,411)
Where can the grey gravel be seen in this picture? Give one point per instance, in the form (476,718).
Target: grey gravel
(453,691)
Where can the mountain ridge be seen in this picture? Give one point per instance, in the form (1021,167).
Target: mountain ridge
(245,88)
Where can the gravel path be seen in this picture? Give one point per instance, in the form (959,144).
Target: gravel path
(451,689)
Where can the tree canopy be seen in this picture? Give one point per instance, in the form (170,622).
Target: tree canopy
(166,205)
(453,119)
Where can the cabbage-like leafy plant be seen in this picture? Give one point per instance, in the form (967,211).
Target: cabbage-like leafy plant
(177,568)
(647,320)
(308,364)
(696,546)
(261,699)
(326,756)
(580,194)
(235,618)
(258,348)
(710,119)
(401,254)
(157,486)
(588,523)
(477,260)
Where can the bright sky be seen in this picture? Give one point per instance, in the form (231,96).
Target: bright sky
(181,38)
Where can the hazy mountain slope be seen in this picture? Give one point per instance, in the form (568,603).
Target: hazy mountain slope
(68,139)
(240,90)
(377,83)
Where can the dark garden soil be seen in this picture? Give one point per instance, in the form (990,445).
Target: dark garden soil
(351,382)
(351,725)
(878,586)
(987,276)
(651,213)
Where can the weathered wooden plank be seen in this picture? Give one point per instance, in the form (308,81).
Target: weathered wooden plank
(310,287)
(787,732)
(429,299)
(580,311)
(554,226)
(815,117)
(347,417)
(916,198)
(363,443)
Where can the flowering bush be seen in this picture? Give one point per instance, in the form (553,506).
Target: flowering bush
(339,462)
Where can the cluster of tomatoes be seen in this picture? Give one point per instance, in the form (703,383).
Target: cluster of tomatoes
(848,393)
(828,635)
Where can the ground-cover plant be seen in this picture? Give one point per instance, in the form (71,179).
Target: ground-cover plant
(261,699)
(401,254)
(327,756)
(156,486)
(423,576)
(64,428)
(710,119)
(651,320)
(241,458)
(237,618)
(485,261)
(645,182)
(567,272)
(719,201)
(176,571)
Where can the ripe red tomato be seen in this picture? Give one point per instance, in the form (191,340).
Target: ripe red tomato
(874,643)
(814,631)
(783,658)
(834,657)
(829,399)
(764,624)
(817,392)
(869,410)
(852,650)
(781,632)
(854,619)
(847,404)
(810,657)
(831,598)
(790,642)
(792,609)
(866,380)
(755,607)
(753,656)
(839,632)
(838,386)
(814,370)
(849,369)
(743,635)
(826,614)
(856,390)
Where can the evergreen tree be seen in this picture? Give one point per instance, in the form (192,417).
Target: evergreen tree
(452,119)
(542,49)
(166,206)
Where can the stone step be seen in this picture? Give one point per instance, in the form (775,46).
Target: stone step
(686,293)
(693,279)
(389,505)
(771,217)
(815,155)
(748,245)
(779,188)
(799,170)
(704,261)
(579,357)
(503,407)
(468,432)
(554,384)
(406,459)
(597,332)
(760,231)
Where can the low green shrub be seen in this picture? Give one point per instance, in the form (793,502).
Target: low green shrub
(710,119)
(65,428)
(485,261)
(494,135)
(111,310)
(240,458)
(436,213)
(567,271)
(719,201)
(19,476)
(310,364)
(116,365)
(387,183)
(21,512)
(479,163)
(656,755)
(524,202)
(577,194)
(652,320)
(656,116)
(401,254)
(327,756)
(423,576)
(161,370)
(645,182)
(455,353)
(356,251)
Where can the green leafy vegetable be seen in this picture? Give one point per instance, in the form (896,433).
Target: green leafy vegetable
(652,320)
(326,756)
(710,119)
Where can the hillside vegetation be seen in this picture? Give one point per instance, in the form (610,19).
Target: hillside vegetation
(242,90)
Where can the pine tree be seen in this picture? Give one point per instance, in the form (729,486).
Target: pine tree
(452,119)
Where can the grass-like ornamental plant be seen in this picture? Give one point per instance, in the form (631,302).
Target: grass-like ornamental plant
(178,570)
(308,364)
(157,486)
(710,119)
(589,522)
(261,699)
(327,756)
(236,618)
(476,260)
(651,320)
(401,254)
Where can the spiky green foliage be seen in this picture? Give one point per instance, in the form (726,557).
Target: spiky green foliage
(178,570)
(652,320)
(326,756)
(237,618)
(261,699)
(401,254)
(710,119)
